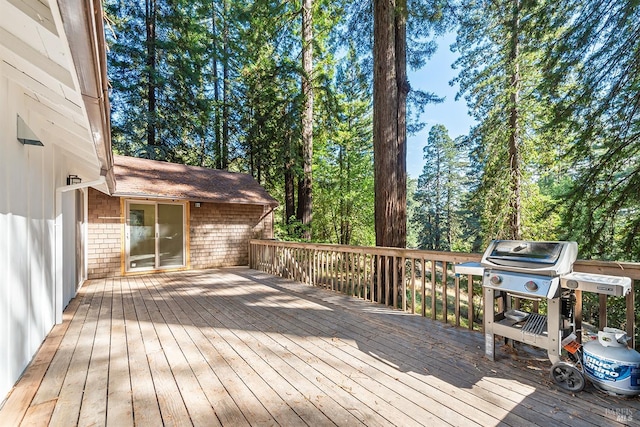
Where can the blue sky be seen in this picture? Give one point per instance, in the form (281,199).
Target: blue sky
(435,77)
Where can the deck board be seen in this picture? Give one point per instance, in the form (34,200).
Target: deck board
(93,410)
(143,395)
(238,347)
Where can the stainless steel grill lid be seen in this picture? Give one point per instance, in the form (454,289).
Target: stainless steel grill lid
(543,258)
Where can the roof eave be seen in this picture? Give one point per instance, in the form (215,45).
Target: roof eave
(85,33)
(272,204)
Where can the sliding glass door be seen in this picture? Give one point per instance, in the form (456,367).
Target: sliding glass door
(171,235)
(155,235)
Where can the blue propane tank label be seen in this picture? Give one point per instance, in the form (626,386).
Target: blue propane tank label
(609,370)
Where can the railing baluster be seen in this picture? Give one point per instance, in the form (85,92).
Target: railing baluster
(369,277)
(379,279)
(354,275)
(445,308)
(339,271)
(387,286)
(362,269)
(403,281)
(412,286)
(433,290)
(394,271)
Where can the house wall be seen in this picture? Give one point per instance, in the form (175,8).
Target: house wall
(29,176)
(219,234)
(104,242)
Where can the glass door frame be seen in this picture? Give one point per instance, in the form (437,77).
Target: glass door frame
(127,231)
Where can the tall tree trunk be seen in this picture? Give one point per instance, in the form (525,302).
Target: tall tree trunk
(150,26)
(349,202)
(515,226)
(305,188)
(385,121)
(216,89)
(224,163)
(289,180)
(437,228)
(390,88)
(403,91)
(289,193)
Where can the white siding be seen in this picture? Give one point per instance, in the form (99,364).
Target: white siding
(39,82)
(4,237)
(28,179)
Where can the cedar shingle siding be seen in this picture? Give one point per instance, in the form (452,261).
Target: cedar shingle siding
(220,233)
(105,235)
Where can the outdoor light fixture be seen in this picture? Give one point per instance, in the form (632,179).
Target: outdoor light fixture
(197,204)
(26,135)
(73,179)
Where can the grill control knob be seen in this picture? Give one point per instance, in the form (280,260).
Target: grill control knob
(531,286)
(495,280)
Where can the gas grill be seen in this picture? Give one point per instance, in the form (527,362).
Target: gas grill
(515,270)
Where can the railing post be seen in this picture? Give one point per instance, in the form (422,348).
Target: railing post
(631,315)
(602,311)
(424,287)
(456,282)
(470,298)
(578,314)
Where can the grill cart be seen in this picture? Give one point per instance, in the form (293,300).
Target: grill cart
(543,271)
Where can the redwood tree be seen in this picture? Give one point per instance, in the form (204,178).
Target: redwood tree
(390,89)
(304,199)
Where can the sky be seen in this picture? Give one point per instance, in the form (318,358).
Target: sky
(435,77)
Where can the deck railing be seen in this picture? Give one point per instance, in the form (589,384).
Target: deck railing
(422,282)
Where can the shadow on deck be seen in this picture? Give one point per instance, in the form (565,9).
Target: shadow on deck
(241,347)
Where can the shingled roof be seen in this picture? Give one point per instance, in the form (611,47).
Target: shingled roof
(154,179)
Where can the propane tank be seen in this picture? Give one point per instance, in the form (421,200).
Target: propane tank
(611,365)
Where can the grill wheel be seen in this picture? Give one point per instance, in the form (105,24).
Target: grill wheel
(567,376)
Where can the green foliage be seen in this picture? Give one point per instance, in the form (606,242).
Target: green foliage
(413,205)
(500,57)
(597,55)
(173,66)
(344,163)
(438,193)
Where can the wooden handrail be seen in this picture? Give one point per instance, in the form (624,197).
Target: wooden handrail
(424,282)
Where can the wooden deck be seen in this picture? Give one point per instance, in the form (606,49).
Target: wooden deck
(239,347)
